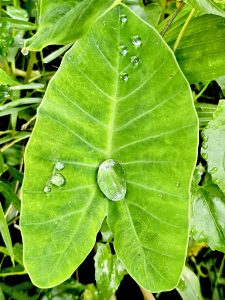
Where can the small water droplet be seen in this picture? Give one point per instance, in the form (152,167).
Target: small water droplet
(69,57)
(24,51)
(123,50)
(111,180)
(160,195)
(178,184)
(213,170)
(135,60)
(59,165)
(124,76)
(47,189)
(204,145)
(205,156)
(123,19)
(58,180)
(136,41)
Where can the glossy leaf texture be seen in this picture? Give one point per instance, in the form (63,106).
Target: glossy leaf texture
(62,22)
(189,286)
(108,271)
(200,53)
(5,79)
(107,103)
(207,216)
(207,6)
(213,147)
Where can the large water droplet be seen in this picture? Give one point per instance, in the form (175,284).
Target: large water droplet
(24,51)
(58,179)
(123,50)
(124,76)
(47,189)
(111,180)
(123,19)
(134,60)
(136,41)
(59,165)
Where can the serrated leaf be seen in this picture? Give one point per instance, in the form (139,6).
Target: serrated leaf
(6,79)
(189,286)
(108,271)
(4,230)
(207,216)
(94,112)
(74,16)
(207,6)
(213,147)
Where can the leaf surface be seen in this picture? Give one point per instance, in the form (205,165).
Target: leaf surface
(207,6)
(108,271)
(200,53)
(189,286)
(91,113)
(207,216)
(6,79)
(213,147)
(62,22)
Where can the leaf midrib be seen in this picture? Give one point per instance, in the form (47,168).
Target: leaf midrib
(114,107)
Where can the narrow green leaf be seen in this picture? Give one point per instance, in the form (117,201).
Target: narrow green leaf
(5,234)
(6,79)
(207,216)
(2,297)
(207,6)
(17,24)
(103,105)
(213,147)
(75,17)
(6,191)
(108,271)
(189,286)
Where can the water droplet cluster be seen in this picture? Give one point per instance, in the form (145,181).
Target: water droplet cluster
(57,179)
(123,49)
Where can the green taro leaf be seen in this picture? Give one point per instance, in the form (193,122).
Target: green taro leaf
(200,53)
(207,6)
(103,105)
(108,271)
(213,146)
(75,17)
(207,216)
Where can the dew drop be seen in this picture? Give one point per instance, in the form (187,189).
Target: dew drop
(123,19)
(178,184)
(59,165)
(47,189)
(124,76)
(69,57)
(111,180)
(24,51)
(160,195)
(135,60)
(136,41)
(205,156)
(58,180)
(123,50)
(213,170)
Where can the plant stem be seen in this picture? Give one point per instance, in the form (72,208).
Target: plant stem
(30,66)
(183,29)
(219,274)
(201,92)
(182,4)
(147,295)
(6,65)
